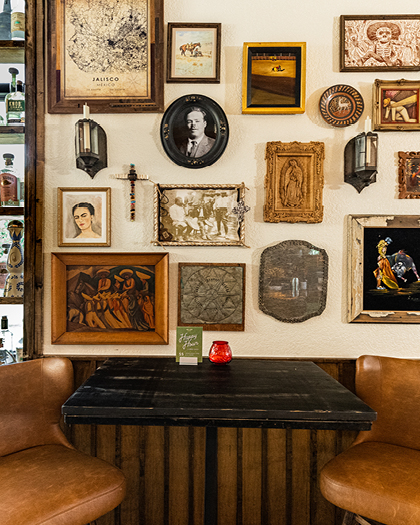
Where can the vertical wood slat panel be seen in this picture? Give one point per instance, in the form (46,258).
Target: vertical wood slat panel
(197,474)
(154,476)
(179,466)
(251,475)
(275,503)
(130,464)
(300,487)
(227,476)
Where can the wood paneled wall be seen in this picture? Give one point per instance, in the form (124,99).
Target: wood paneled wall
(266,476)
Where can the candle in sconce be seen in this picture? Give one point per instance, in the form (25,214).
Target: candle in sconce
(86,128)
(368,129)
(368,125)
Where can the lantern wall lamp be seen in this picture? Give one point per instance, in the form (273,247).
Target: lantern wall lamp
(91,150)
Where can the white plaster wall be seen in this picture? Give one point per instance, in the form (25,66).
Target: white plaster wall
(135,138)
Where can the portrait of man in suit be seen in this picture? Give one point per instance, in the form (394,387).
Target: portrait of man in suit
(197,143)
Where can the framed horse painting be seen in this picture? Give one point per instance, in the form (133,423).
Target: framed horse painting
(193,53)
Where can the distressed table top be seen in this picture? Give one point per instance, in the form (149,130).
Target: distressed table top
(245,393)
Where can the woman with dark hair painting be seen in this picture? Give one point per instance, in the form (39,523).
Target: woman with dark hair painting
(84,216)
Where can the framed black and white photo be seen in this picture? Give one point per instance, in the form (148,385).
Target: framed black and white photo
(194,131)
(199,215)
(84,216)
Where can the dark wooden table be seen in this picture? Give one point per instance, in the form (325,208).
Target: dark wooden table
(246,393)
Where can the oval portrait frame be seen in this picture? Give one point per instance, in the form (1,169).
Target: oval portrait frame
(173,130)
(327,109)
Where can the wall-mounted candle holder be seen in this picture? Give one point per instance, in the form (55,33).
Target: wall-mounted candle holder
(91,148)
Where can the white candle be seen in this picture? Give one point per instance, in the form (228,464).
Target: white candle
(368,127)
(86,111)
(86,128)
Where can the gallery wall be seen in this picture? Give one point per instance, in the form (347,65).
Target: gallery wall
(134,138)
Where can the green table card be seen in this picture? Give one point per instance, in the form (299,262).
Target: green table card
(189,342)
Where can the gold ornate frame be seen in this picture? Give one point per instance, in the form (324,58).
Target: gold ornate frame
(408,179)
(294,182)
(401,113)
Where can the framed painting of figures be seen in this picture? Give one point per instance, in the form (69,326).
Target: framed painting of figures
(379,43)
(193,53)
(383,279)
(108,55)
(109,298)
(273,77)
(409,174)
(396,105)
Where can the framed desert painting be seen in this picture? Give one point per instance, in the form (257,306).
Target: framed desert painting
(108,55)
(409,174)
(84,216)
(273,77)
(193,53)
(294,182)
(109,298)
(379,43)
(396,105)
(383,280)
(212,295)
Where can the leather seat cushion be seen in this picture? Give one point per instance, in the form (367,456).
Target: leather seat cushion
(56,485)
(376,480)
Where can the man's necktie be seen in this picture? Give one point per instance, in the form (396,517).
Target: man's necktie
(193,148)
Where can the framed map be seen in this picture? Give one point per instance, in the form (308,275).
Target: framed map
(107,54)
(212,295)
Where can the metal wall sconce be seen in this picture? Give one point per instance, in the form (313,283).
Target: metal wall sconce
(91,150)
(361,159)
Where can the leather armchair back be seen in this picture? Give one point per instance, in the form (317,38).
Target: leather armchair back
(391,387)
(31,395)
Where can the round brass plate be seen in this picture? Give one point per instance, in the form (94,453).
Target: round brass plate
(341,105)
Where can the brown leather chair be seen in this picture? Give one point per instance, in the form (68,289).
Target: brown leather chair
(43,478)
(378,477)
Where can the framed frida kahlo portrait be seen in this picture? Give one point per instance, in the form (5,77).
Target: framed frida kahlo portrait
(396,105)
(109,298)
(84,216)
(383,279)
(108,55)
(193,53)
(409,174)
(273,77)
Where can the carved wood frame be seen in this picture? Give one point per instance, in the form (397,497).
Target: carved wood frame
(404,159)
(306,208)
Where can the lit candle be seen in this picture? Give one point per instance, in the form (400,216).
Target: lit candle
(86,111)
(86,128)
(368,127)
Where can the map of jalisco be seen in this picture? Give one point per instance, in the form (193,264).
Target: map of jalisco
(106,47)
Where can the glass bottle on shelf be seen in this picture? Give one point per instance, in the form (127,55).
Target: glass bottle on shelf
(10,184)
(18,20)
(7,338)
(5,21)
(15,101)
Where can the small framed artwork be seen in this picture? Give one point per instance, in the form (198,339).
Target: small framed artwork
(84,216)
(199,215)
(211,295)
(383,280)
(294,182)
(108,55)
(409,174)
(273,77)
(109,298)
(396,105)
(193,53)
(194,131)
(379,43)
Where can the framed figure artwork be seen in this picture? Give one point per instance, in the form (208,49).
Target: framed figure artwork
(273,77)
(294,182)
(199,215)
(211,295)
(108,55)
(409,174)
(379,43)
(109,298)
(396,105)
(383,280)
(84,216)
(193,53)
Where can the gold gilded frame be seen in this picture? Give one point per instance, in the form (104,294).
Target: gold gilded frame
(401,113)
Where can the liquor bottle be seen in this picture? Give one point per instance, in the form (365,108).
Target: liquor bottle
(17,23)
(7,338)
(9,183)
(15,101)
(5,21)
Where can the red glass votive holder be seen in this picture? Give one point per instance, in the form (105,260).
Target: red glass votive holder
(220,353)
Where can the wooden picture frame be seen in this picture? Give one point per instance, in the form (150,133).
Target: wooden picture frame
(193,53)
(383,285)
(83,66)
(274,77)
(88,207)
(396,105)
(409,174)
(176,133)
(379,42)
(294,182)
(212,295)
(83,311)
(208,215)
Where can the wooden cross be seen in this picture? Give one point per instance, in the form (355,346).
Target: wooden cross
(132,177)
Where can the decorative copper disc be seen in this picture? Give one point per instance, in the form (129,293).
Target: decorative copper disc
(341,105)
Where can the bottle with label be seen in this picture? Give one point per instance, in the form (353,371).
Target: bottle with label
(5,21)
(9,183)
(7,338)
(15,101)
(17,23)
